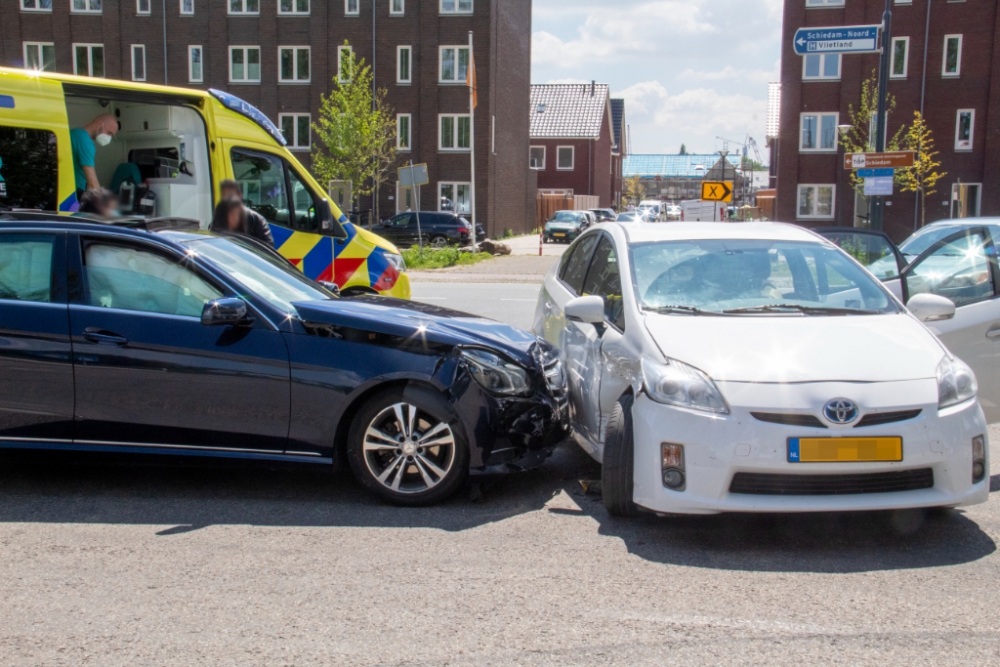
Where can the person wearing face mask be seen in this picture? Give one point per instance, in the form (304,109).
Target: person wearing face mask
(84,141)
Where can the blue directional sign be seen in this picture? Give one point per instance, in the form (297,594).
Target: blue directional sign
(873,173)
(846,39)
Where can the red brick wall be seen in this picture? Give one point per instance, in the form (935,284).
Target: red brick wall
(591,173)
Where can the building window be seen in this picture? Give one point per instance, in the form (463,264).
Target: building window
(244,6)
(293,64)
(536,158)
(142,7)
(456,6)
(965,121)
(454,64)
(244,64)
(952,63)
(352,7)
(820,66)
(37,5)
(455,197)
(818,132)
(397,7)
(403,123)
(300,7)
(297,130)
(816,201)
(900,57)
(454,134)
(187,7)
(88,59)
(824,3)
(196,72)
(40,56)
(85,6)
(138,62)
(345,63)
(404,61)
(565,158)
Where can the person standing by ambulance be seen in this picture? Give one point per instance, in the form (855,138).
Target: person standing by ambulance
(84,141)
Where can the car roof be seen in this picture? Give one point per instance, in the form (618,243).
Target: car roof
(124,225)
(682,231)
(961,222)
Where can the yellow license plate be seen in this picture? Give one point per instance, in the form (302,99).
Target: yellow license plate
(558,234)
(834,450)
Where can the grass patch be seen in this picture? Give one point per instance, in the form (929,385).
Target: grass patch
(434,258)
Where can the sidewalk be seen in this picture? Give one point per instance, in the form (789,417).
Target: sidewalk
(517,268)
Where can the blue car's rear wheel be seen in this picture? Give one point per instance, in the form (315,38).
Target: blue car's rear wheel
(407,449)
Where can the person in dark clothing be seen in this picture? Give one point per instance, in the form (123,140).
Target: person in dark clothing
(256,225)
(230,218)
(99,202)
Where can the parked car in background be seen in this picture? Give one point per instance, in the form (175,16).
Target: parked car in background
(565,226)
(673,212)
(653,208)
(437,228)
(603,214)
(630,216)
(758,368)
(186,343)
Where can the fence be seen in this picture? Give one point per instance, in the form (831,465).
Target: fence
(547,204)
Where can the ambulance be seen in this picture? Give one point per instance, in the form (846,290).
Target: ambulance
(173,149)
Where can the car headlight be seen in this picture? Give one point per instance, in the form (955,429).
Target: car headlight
(676,383)
(956,382)
(397,261)
(495,374)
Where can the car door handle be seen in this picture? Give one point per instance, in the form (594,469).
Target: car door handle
(993,334)
(102,337)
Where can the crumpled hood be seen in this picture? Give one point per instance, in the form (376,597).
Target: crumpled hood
(420,321)
(856,348)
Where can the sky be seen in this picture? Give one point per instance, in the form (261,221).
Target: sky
(689,70)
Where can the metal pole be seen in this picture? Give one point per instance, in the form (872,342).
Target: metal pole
(472,138)
(166,80)
(878,204)
(923,93)
(416,200)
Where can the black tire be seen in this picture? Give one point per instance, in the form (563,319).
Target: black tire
(619,462)
(439,241)
(423,464)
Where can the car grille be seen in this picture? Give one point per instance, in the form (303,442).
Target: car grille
(877,418)
(763,484)
(810,421)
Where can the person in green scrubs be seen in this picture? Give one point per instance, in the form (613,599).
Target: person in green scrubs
(84,141)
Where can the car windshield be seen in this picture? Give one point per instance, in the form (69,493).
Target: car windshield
(924,239)
(565,216)
(265,274)
(749,277)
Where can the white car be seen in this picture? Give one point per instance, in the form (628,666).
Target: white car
(758,368)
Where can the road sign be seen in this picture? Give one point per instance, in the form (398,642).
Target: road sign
(871,173)
(847,39)
(410,175)
(894,159)
(878,185)
(717,191)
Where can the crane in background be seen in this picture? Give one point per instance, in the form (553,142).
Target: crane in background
(748,144)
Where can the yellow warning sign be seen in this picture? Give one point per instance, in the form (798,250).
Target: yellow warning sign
(717,191)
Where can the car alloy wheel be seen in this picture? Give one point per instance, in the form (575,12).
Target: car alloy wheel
(407,450)
(439,241)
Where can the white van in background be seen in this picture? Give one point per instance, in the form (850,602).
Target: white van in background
(653,208)
(697,210)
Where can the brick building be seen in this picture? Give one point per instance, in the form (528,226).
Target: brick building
(950,74)
(573,141)
(282,55)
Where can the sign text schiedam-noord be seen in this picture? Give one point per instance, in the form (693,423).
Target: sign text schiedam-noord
(847,39)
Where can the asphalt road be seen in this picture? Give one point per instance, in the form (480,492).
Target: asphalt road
(182,566)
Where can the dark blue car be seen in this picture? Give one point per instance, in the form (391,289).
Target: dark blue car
(151,338)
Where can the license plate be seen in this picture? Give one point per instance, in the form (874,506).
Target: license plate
(835,450)
(558,234)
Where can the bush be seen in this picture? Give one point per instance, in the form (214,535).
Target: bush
(508,233)
(440,258)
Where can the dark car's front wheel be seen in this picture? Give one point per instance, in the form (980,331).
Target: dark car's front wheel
(439,241)
(407,449)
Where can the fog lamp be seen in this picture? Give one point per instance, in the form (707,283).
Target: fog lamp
(978,458)
(672,465)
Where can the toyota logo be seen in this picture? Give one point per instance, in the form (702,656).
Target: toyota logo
(840,411)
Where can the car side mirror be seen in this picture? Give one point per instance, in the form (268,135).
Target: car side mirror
(587,309)
(931,307)
(330,287)
(228,311)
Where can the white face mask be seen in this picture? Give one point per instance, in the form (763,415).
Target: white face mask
(103,139)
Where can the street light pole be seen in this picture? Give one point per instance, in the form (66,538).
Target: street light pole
(878,204)
(842,131)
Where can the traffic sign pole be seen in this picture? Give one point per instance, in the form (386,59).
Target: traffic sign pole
(877,215)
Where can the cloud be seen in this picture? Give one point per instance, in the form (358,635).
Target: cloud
(730,73)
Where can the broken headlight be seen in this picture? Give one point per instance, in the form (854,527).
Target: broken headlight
(495,374)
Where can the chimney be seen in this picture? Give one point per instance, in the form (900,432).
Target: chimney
(593,87)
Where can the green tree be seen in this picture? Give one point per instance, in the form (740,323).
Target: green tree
(923,176)
(355,133)
(860,137)
(633,189)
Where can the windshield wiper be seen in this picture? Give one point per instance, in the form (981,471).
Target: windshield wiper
(682,310)
(796,308)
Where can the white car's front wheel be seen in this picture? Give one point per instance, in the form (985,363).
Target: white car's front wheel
(619,462)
